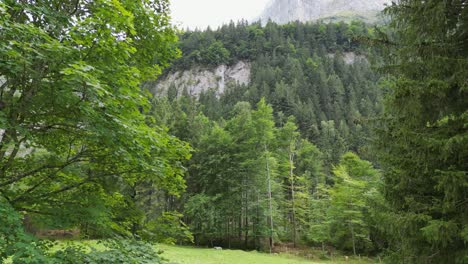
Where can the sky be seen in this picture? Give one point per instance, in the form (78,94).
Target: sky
(213,13)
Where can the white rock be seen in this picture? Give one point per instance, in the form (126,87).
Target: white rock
(284,11)
(198,79)
(350,57)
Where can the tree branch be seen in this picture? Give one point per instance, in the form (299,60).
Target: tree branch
(44,167)
(12,155)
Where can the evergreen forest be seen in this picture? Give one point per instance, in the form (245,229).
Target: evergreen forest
(350,139)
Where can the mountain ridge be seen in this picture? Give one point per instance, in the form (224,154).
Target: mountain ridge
(284,11)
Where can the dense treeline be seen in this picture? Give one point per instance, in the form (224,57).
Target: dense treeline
(318,73)
(269,171)
(244,41)
(251,182)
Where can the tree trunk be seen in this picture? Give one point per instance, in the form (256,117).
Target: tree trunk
(352,236)
(229,233)
(293,205)
(269,199)
(135,225)
(240,226)
(256,234)
(246,223)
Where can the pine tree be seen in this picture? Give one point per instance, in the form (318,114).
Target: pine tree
(423,139)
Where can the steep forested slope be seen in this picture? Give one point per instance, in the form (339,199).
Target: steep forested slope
(269,163)
(319,73)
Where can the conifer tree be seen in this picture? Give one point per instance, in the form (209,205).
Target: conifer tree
(423,139)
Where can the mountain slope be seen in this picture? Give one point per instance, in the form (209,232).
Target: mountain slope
(284,11)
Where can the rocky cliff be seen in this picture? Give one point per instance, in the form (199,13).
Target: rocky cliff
(197,79)
(284,11)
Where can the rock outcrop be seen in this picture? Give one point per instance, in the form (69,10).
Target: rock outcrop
(197,79)
(284,11)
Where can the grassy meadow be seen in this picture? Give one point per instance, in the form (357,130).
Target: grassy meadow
(192,255)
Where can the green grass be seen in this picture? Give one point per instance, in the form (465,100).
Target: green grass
(192,255)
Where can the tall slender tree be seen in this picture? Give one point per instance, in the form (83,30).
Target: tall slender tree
(354,179)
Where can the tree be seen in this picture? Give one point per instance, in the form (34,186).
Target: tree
(319,226)
(297,75)
(216,54)
(331,142)
(423,139)
(73,119)
(295,71)
(354,180)
(299,170)
(263,127)
(288,138)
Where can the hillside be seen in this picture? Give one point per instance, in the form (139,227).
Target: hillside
(318,73)
(308,101)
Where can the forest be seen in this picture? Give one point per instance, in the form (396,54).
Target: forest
(349,138)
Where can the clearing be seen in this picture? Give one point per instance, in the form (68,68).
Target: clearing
(192,255)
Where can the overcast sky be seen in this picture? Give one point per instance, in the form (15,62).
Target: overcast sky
(203,13)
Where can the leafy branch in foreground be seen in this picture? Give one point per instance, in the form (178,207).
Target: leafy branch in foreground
(74,135)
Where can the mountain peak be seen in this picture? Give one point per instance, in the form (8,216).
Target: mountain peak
(284,11)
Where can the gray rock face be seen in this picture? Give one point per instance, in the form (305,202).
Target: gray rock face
(196,80)
(284,11)
(350,57)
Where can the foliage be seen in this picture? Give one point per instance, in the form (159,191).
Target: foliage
(348,214)
(168,229)
(319,225)
(17,246)
(239,179)
(115,251)
(73,116)
(14,242)
(422,138)
(216,54)
(201,211)
(319,73)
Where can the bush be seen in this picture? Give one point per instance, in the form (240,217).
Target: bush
(116,251)
(168,228)
(17,246)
